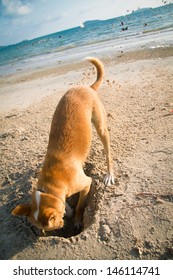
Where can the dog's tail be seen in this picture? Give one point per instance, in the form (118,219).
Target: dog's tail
(100,71)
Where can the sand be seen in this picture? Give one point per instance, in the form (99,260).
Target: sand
(132,219)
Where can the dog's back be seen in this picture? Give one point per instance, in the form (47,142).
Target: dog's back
(71,129)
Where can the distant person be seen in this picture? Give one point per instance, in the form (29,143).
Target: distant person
(124,28)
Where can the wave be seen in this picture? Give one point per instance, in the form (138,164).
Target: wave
(166,27)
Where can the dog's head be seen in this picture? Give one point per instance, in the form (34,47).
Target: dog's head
(45,211)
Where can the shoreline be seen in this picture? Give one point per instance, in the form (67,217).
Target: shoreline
(101,49)
(22,89)
(121,57)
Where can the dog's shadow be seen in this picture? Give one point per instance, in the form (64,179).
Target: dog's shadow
(17,233)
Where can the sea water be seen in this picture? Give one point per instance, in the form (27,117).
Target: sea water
(145,28)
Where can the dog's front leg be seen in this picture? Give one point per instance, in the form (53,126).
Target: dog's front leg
(81,205)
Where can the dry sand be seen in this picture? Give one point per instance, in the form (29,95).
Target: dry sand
(132,219)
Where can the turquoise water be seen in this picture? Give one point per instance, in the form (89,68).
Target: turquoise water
(146,28)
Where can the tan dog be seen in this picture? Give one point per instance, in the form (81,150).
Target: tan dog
(62,174)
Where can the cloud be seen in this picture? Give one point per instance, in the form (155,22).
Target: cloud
(87,9)
(50,19)
(16,7)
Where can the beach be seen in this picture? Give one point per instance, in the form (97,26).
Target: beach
(132,219)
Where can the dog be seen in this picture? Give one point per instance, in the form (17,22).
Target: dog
(62,174)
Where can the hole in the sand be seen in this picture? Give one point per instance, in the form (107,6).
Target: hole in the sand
(68,229)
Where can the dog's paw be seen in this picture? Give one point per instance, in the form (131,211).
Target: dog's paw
(109,180)
(43,232)
(78,222)
(78,226)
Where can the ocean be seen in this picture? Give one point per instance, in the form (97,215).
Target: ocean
(145,28)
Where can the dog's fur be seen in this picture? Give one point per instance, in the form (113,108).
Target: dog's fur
(62,174)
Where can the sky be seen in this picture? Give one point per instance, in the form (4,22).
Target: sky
(28,19)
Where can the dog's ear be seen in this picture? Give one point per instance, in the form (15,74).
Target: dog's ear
(22,210)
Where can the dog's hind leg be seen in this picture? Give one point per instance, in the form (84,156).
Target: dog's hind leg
(99,121)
